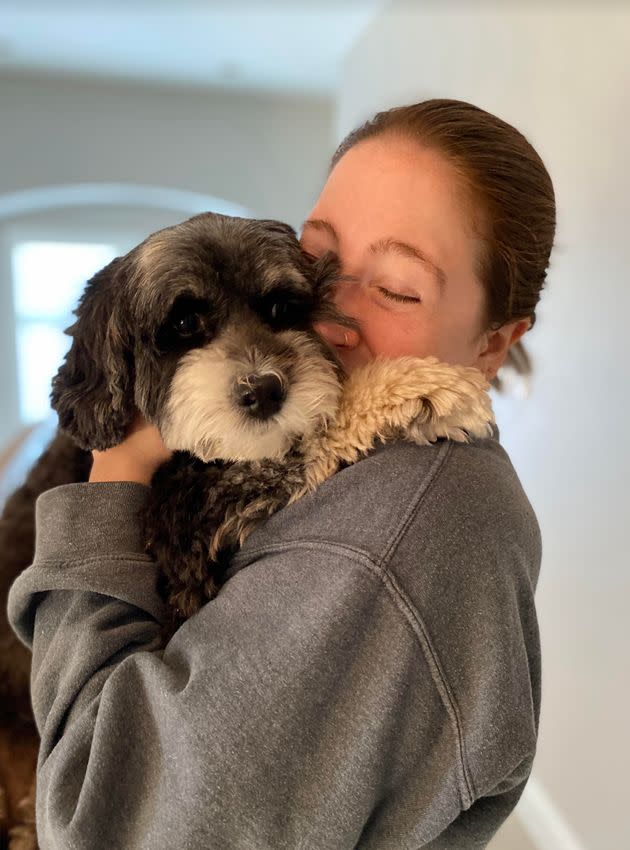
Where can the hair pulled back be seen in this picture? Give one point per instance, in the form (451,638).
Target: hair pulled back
(511,201)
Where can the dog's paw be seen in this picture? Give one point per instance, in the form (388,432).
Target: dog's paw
(179,519)
(182,492)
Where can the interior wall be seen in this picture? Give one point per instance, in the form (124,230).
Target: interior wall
(562,77)
(268,153)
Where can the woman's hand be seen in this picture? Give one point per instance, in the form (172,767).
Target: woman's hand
(135,459)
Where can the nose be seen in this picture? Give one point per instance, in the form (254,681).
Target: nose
(260,395)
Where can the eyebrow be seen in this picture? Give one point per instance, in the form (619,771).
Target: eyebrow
(386,246)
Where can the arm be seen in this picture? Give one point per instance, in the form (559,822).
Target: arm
(295,710)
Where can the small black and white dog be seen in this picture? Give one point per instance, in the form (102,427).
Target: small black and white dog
(205,328)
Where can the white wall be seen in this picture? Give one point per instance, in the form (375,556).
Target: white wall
(266,153)
(563,78)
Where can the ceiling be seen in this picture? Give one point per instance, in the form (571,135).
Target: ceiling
(277,45)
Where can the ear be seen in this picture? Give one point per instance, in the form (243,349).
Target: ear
(93,390)
(497,345)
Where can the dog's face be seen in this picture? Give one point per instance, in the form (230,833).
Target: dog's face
(206,329)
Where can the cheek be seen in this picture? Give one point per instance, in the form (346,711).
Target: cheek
(455,345)
(384,336)
(422,331)
(395,334)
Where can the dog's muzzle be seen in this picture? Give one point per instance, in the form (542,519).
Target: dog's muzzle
(241,398)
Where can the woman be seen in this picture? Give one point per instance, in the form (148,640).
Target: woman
(370,675)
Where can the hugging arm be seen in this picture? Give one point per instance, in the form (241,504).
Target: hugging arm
(266,722)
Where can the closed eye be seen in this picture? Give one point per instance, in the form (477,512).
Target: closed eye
(396,296)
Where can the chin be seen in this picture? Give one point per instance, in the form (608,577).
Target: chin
(347,360)
(352,359)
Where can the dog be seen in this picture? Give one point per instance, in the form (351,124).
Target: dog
(206,329)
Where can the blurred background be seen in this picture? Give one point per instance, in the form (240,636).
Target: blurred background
(118,118)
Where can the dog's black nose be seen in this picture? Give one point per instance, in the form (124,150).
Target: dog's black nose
(261,395)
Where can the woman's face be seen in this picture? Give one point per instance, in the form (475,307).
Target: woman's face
(391,212)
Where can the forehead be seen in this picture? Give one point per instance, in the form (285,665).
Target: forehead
(395,188)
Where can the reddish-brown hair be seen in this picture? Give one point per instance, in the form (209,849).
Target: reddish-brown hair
(510,196)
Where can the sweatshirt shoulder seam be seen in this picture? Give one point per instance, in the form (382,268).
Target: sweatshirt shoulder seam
(412,509)
(414,620)
(439,676)
(440,681)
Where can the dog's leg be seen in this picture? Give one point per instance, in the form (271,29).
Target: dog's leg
(17,767)
(185,497)
(61,463)
(199,514)
(252,492)
(23,836)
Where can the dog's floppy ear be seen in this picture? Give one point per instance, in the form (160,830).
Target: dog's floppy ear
(326,272)
(93,390)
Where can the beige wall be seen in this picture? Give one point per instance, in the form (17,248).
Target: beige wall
(562,77)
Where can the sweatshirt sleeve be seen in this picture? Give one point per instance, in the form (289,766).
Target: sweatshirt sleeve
(295,710)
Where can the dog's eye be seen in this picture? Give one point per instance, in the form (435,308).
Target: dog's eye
(280,311)
(187,325)
(284,314)
(285,311)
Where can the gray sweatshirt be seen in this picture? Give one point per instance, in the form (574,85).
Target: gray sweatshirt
(368,677)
